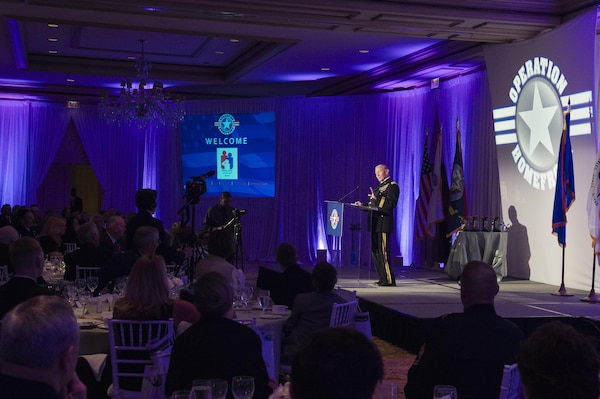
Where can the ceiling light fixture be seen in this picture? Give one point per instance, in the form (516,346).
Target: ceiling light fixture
(142,106)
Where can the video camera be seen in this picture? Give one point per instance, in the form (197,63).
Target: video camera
(239,212)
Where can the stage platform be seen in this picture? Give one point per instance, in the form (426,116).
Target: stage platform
(400,314)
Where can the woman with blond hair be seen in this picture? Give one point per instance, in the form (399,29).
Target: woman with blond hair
(147,295)
(51,238)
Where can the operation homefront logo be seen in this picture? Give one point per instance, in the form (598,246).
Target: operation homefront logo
(535,120)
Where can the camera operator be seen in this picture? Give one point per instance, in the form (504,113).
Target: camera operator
(220,216)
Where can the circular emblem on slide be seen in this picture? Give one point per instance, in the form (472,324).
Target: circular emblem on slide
(226,124)
(334,219)
(539,123)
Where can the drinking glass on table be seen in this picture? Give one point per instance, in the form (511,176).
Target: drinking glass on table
(242,387)
(219,388)
(84,297)
(264,299)
(180,395)
(110,298)
(201,389)
(92,283)
(444,392)
(71,292)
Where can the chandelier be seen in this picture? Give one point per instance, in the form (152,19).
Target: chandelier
(143,105)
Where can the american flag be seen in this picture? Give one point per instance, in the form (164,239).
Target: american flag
(425,189)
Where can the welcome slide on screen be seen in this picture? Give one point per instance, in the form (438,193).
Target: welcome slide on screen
(239,148)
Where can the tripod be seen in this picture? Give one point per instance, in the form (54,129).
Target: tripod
(239,249)
(197,249)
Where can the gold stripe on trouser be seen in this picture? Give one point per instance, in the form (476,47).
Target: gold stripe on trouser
(386,262)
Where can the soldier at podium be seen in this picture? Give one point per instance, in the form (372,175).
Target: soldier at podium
(383,200)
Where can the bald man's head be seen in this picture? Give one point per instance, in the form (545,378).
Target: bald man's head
(478,284)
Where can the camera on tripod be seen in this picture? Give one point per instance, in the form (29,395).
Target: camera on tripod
(239,212)
(193,190)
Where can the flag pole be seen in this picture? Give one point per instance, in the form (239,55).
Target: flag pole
(562,291)
(592,295)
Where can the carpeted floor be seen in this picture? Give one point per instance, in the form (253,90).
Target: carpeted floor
(396,362)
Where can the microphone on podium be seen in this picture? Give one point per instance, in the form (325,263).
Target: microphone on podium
(353,190)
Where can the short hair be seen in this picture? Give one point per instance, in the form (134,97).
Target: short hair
(225,194)
(24,253)
(88,233)
(51,223)
(114,219)
(336,363)
(37,331)
(286,254)
(557,361)
(221,243)
(324,277)
(144,235)
(145,199)
(213,295)
(22,212)
(8,234)
(478,282)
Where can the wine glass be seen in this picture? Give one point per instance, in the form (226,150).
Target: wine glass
(244,298)
(180,395)
(444,392)
(109,299)
(71,292)
(92,283)
(264,299)
(80,284)
(219,388)
(242,387)
(84,297)
(201,389)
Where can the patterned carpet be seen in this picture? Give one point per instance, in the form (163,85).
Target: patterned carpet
(396,362)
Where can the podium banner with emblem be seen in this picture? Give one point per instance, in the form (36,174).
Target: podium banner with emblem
(335,218)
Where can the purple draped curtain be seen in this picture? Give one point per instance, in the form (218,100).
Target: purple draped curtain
(326,146)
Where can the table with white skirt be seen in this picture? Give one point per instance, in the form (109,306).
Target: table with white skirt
(486,246)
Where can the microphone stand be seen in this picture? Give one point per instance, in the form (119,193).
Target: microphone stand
(353,190)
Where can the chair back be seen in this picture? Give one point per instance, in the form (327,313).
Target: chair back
(3,274)
(342,314)
(348,295)
(132,344)
(70,247)
(83,272)
(510,387)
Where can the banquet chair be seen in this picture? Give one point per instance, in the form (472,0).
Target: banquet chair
(3,274)
(132,346)
(83,272)
(342,314)
(348,295)
(510,387)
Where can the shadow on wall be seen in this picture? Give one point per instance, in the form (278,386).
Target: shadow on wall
(518,250)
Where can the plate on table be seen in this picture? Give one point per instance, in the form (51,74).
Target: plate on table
(88,323)
(270,316)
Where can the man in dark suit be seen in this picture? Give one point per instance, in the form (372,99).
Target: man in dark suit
(112,239)
(88,255)
(6,215)
(216,346)
(293,279)
(384,199)
(312,310)
(76,202)
(467,350)
(27,258)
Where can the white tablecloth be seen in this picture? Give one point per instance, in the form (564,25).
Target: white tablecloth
(486,246)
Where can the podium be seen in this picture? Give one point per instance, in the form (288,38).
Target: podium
(345,241)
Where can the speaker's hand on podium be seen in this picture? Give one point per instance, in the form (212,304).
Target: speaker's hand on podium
(358,203)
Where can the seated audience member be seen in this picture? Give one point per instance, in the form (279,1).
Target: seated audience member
(27,258)
(336,363)
(88,255)
(147,295)
(37,218)
(6,218)
(558,362)
(112,239)
(8,234)
(71,231)
(469,349)
(312,310)
(216,346)
(221,246)
(38,351)
(24,222)
(145,242)
(293,280)
(52,233)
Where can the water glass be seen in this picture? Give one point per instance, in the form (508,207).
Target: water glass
(201,389)
(219,388)
(242,387)
(444,392)
(180,395)
(389,390)
(92,283)
(264,299)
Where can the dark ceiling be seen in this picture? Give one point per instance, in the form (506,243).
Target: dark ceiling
(234,49)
